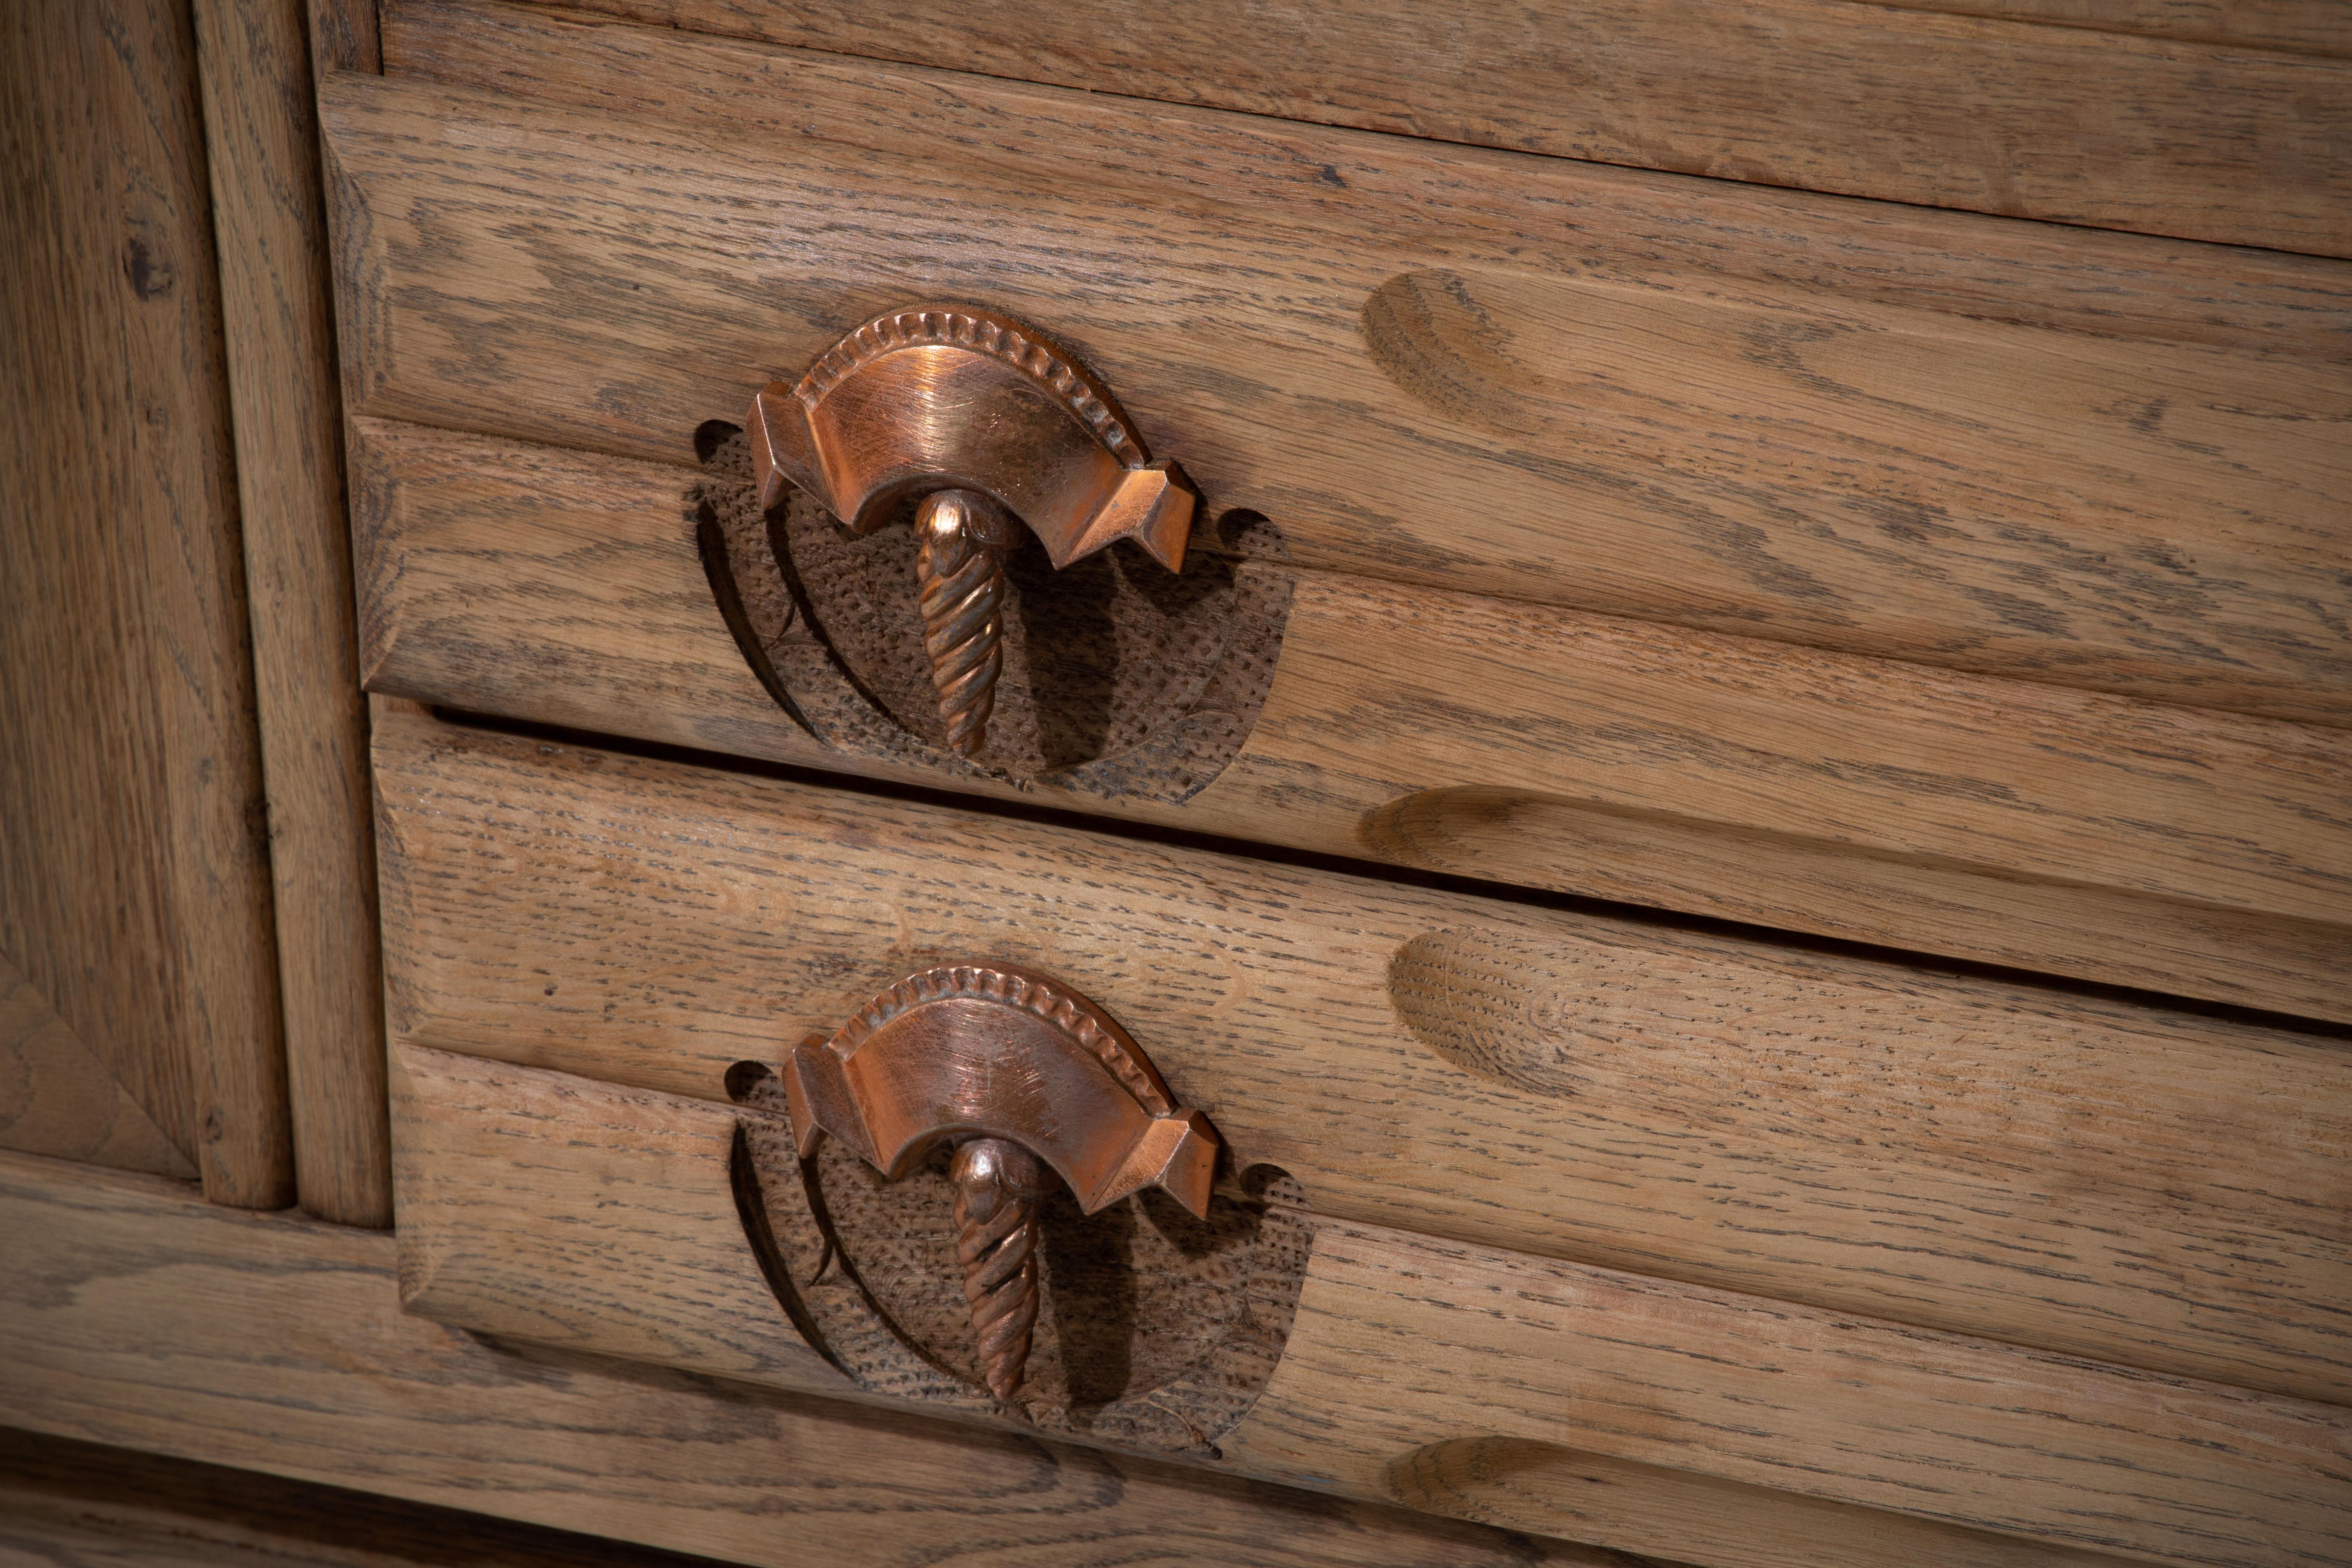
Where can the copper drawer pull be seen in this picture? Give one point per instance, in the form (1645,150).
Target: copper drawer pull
(978,422)
(1033,1084)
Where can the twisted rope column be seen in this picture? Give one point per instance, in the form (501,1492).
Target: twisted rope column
(998,1185)
(965,538)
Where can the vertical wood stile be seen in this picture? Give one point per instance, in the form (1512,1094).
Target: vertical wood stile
(269,222)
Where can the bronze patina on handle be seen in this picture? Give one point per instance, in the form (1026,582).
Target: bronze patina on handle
(1033,1086)
(980,421)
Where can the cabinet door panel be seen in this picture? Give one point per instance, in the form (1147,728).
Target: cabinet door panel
(135,877)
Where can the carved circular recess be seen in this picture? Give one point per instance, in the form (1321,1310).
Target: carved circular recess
(1119,678)
(1155,1329)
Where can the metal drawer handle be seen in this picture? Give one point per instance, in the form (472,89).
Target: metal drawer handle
(1033,1084)
(978,421)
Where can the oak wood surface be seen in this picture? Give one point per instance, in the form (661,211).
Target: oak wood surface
(134,1314)
(548,1249)
(347,36)
(60,1098)
(68,1504)
(1752,412)
(134,882)
(2084,1175)
(1991,113)
(1401,1341)
(270,224)
(1842,795)
(2311,26)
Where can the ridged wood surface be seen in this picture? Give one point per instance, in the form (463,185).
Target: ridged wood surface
(2082,460)
(134,1314)
(1401,1341)
(2084,1175)
(1927,105)
(270,227)
(2069,832)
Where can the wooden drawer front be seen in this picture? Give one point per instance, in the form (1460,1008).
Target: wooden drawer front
(2080,459)
(2000,559)
(1690,1131)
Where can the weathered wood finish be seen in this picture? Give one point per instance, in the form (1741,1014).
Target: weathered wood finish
(1676,400)
(134,882)
(132,1314)
(472,1253)
(269,222)
(2305,26)
(1401,1341)
(345,36)
(2087,1176)
(1825,793)
(68,1504)
(1989,113)
(60,1098)
(1503,1480)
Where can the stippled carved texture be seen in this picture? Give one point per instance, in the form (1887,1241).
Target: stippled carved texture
(1155,1330)
(1119,678)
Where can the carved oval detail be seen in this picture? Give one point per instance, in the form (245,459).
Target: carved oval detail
(1486,1004)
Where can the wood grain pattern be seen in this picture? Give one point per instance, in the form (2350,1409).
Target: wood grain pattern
(1512,742)
(60,1098)
(133,1315)
(270,225)
(1502,1480)
(1989,113)
(1402,1341)
(345,36)
(639,1187)
(134,884)
(1756,414)
(2310,27)
(67,1504)
(2090,1177)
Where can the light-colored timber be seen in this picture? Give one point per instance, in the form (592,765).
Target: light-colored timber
(2081,460)
(2087,1176)
(1933,106)
(134,872)
(1828,793)
(60,1098)
(270,224)
(69,1504)
(608,1238)
(134,1314)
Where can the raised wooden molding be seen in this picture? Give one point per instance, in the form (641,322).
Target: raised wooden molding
(270,225)
(616,1240)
